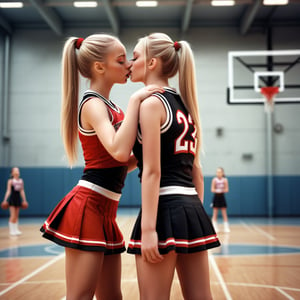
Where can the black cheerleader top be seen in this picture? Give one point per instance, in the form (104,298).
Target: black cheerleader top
(178,143)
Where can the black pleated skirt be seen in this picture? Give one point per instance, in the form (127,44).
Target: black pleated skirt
(182,225)
(219,201)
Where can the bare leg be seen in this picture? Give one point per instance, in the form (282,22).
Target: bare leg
(155,280)
(225,218)
(215,214)
(224,214)
(109,280)
(82,270)
(193,273)
(14,214)
(214,219)
(13,221)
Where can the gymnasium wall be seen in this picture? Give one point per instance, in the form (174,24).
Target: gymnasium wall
(34,110)
(247,195)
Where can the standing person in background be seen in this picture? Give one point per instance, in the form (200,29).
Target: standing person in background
(84,221)
(172,230)
(15,199)
(219,186)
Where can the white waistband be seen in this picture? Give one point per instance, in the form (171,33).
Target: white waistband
(182,190)
(99,189)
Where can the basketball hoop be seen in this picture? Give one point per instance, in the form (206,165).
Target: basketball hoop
(269,92)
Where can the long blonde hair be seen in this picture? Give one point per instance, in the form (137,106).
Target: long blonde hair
(177,59)
(78,58)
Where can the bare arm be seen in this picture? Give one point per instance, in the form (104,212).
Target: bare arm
(8,190)
(226,187)
(132,163)
(151,112)
(213,189)
(22,193)
(198,180)
(118,143)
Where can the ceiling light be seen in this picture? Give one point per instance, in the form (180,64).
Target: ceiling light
(276,2)
(85,3)
(146,3)
(222,2)
(11,4)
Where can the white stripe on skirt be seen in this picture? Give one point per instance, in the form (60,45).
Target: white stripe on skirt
(99,189)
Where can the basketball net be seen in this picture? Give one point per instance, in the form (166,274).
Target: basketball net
(269,93)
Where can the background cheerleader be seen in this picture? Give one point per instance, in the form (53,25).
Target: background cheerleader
(14,199)
(219,186)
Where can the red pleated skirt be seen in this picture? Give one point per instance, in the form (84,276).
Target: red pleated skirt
(86,220)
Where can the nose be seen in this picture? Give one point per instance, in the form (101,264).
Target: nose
(129,64)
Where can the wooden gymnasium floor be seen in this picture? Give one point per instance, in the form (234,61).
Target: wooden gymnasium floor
(259,259)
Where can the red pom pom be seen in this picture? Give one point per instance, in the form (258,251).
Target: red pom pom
(4,205)
(24,205)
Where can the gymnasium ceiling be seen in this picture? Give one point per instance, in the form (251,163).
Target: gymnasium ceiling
(115,15)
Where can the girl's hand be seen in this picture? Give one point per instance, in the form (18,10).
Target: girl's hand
(149,248)
(146,92)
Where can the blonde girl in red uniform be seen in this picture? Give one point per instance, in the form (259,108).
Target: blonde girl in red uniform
(14,199)
(172,230)
(219,186)
(84,222)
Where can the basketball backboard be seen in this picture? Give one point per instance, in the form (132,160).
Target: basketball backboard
(249,71)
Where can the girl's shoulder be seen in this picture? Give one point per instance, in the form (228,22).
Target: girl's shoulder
(9,182)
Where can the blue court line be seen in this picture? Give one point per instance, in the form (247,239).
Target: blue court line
(31,251)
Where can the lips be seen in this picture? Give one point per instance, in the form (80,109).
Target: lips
(128,74)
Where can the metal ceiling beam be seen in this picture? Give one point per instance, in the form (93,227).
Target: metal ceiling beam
(187,16)
(5,25)
(112,16)
(249,16)
(52,19)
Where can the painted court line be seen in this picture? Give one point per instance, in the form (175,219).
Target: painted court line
(38,270)
(280,289)
(267,235)
(284,293)
(219,276)
(50,281)
(252,228)
(248,227)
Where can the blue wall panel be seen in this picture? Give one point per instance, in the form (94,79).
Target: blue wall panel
(286,193)
(131,194)
(247,195)
(44,187)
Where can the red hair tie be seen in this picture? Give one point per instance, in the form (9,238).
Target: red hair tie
(177,46)
(78,43)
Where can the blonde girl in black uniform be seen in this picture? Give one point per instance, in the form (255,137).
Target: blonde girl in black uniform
(15,199)
(172,230)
